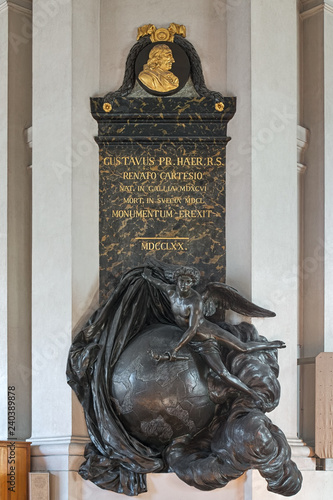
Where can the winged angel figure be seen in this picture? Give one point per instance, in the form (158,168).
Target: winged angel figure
(190,310)
(239,377)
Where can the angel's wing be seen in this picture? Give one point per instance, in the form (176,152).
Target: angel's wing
(219,296)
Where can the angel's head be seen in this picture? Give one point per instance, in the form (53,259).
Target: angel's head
(185,277)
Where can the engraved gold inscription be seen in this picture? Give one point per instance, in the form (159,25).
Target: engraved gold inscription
(195,214)
(162,188)
(129,160)
(140,176)
(164,176)
(193,162)
(169,201)
(163,214)
(188,188)
(133,201)
(163,201)
(143,214)
(175,246)
(162,161)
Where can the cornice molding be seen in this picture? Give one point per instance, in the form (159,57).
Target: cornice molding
(309,4)
(62,453)
(310,8)
(23,6)
(28,136)
(59,441)
(301,169)
(303,135)
(302,454)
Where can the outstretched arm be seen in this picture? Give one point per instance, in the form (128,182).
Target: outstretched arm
(147,275)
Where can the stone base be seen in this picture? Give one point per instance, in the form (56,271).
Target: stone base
(68,485)
(63,456)
(57,454)
(302,455)
(315,485)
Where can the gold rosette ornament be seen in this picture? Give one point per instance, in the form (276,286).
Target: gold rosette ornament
(219,106)
(107,107)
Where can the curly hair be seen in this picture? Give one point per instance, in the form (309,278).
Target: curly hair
(156,54)
(192,272)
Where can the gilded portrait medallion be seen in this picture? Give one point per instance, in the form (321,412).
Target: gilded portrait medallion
(156,74)
(162,68)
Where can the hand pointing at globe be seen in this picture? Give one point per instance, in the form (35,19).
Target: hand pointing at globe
(167,356)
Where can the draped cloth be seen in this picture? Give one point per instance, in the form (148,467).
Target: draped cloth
(114,459)
(239,438)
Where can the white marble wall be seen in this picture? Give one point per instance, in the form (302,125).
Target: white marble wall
(249,49)
(206,29)
(262,177)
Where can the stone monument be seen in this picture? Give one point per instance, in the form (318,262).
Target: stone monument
(165,383)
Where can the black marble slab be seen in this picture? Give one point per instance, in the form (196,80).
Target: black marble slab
(162,182)
(162,118)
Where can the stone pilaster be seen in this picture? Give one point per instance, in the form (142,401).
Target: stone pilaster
(317,268)
(15,223)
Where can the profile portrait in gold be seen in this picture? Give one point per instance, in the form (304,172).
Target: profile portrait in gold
(156,74)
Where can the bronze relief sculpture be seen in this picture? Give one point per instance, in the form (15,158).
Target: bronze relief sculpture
(156,74)
(164,389)
(162,67)
(190,308)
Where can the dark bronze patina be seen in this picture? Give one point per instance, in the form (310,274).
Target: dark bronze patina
(187,306)
(166,390)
